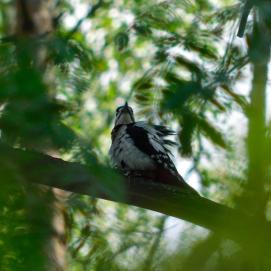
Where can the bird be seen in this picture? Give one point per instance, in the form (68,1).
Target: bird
(141,148)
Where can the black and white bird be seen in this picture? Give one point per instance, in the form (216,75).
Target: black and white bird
(139,147)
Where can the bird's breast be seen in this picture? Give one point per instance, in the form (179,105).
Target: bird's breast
(125,155)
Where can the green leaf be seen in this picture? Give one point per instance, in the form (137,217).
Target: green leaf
(142,28)
(179,92)
(121,40)
(195,42)
(191,66)
(188,126)
(210,131)
(189,122)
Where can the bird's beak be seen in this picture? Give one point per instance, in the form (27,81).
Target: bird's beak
(126,107)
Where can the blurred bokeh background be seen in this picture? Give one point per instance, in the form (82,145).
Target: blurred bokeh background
(65,65)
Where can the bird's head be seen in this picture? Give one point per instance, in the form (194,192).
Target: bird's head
(124,115)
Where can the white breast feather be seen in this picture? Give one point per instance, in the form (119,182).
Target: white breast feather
(123,149)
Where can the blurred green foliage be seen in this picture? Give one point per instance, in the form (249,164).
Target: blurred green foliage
(178,63)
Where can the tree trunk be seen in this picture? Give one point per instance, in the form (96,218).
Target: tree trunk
(34,20)
(259,52)
(255,198)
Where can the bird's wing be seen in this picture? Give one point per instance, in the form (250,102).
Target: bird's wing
(161,133)
(148,140)
(151,140)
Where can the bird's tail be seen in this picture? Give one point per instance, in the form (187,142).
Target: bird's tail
(166,177)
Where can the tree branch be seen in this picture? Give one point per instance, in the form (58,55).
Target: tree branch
(74,177)
(243,21)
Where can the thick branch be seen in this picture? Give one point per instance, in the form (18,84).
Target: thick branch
(77,178)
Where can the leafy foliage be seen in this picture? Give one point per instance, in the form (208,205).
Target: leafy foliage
(178,63)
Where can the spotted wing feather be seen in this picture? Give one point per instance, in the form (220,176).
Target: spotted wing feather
(151,140)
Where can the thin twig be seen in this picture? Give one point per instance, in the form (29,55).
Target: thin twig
(90,14)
